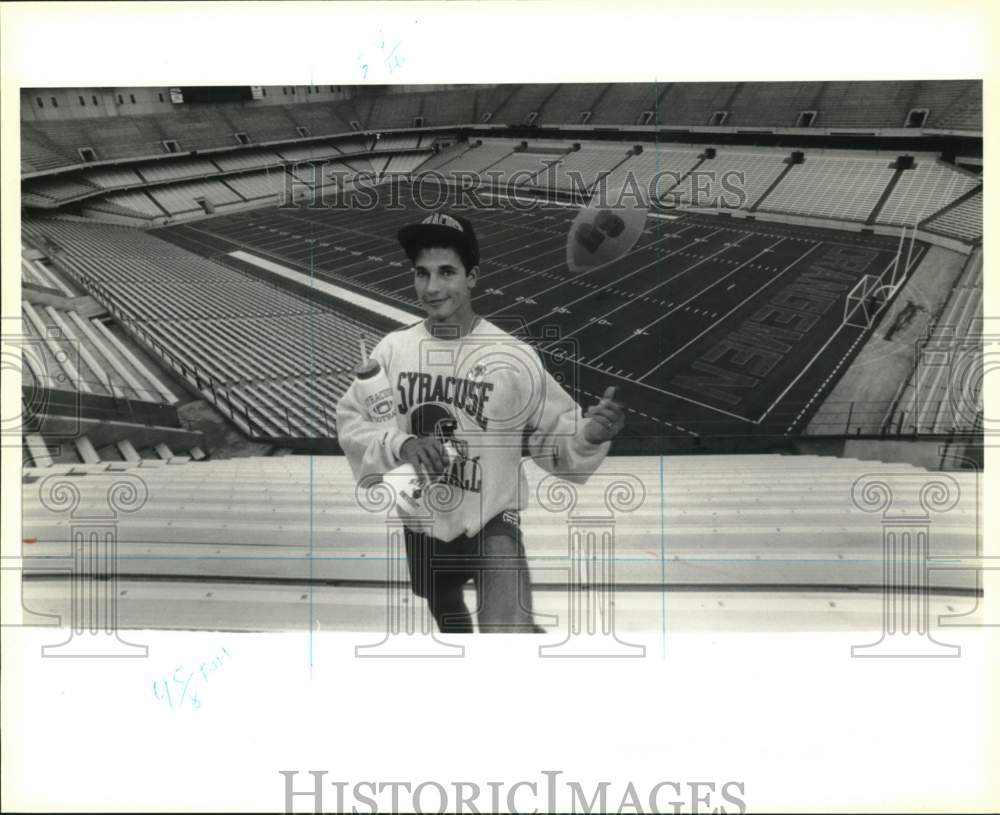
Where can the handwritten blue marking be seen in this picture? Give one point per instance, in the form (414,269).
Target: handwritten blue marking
(189,683)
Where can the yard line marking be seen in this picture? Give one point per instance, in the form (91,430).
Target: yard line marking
(606,285)
(685,306)
(754,293)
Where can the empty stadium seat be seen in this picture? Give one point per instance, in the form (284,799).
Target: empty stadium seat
(241,341)
(837,187)
(778,521)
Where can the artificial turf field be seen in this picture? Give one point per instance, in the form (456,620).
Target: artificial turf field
(711,326)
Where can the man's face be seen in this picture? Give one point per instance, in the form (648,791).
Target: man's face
(444,288)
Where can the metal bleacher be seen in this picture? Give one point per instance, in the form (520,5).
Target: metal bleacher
(266,184)
(394,110)
(667,164)
(963,221)
(526,99)
(35,272)
(273,361)
(247,160)
(177,170)
(478,158)
(404,163)
(441,161)
(692,103)
(520,168)
(113,177)
(626,103)
(929,186)
(73,353)
(833,187)
(572,99)
(944,393)
(751,171)
(63,189)
(588,164)
(181,197)
(135,203)
(236,533)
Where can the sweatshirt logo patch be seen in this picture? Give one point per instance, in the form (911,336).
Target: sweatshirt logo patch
(379,405)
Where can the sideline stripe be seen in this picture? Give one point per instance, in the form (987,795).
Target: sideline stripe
(389,312)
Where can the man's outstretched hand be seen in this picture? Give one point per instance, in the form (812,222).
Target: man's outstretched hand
(605,419)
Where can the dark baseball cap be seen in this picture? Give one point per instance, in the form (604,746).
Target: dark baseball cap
(441,229)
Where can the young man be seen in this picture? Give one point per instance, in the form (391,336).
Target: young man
(468,396)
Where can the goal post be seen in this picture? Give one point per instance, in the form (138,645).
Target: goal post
(864,302)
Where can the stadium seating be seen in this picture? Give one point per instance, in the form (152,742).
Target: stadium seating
(134,203)
(625,102)
(266,123)
(763,104)
(953,105)
(62,189)
(923,190)
(779,524)
(524,100)
(246,160)
(393,110)
(963,112)
(404,163)
(82,457)
(203,130)
(176,170)
(389,143)
(352,147)
(590,162)
(320,119)
(750,171)
(76,354)
(692,103)
(944,394)
(239,340)
(665,164)
(103,211)
(491,99)
(963,221)
(35,272)
(478,158)
(260,185)
(450,108)
(569,101)
(306,152)
(862,104)
(440,161)
(836,187)
(114,138)
(180,198)
(110,178)
(319,172)
(36,156)
(520,168)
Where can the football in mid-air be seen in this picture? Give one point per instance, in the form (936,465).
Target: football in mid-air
(602,234)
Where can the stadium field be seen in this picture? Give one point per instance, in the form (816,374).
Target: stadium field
(711,326)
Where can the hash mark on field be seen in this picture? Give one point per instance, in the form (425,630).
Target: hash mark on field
(825,382)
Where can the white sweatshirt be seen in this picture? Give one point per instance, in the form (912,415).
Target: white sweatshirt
(490,393)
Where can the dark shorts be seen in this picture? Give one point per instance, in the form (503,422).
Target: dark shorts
(447,565)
